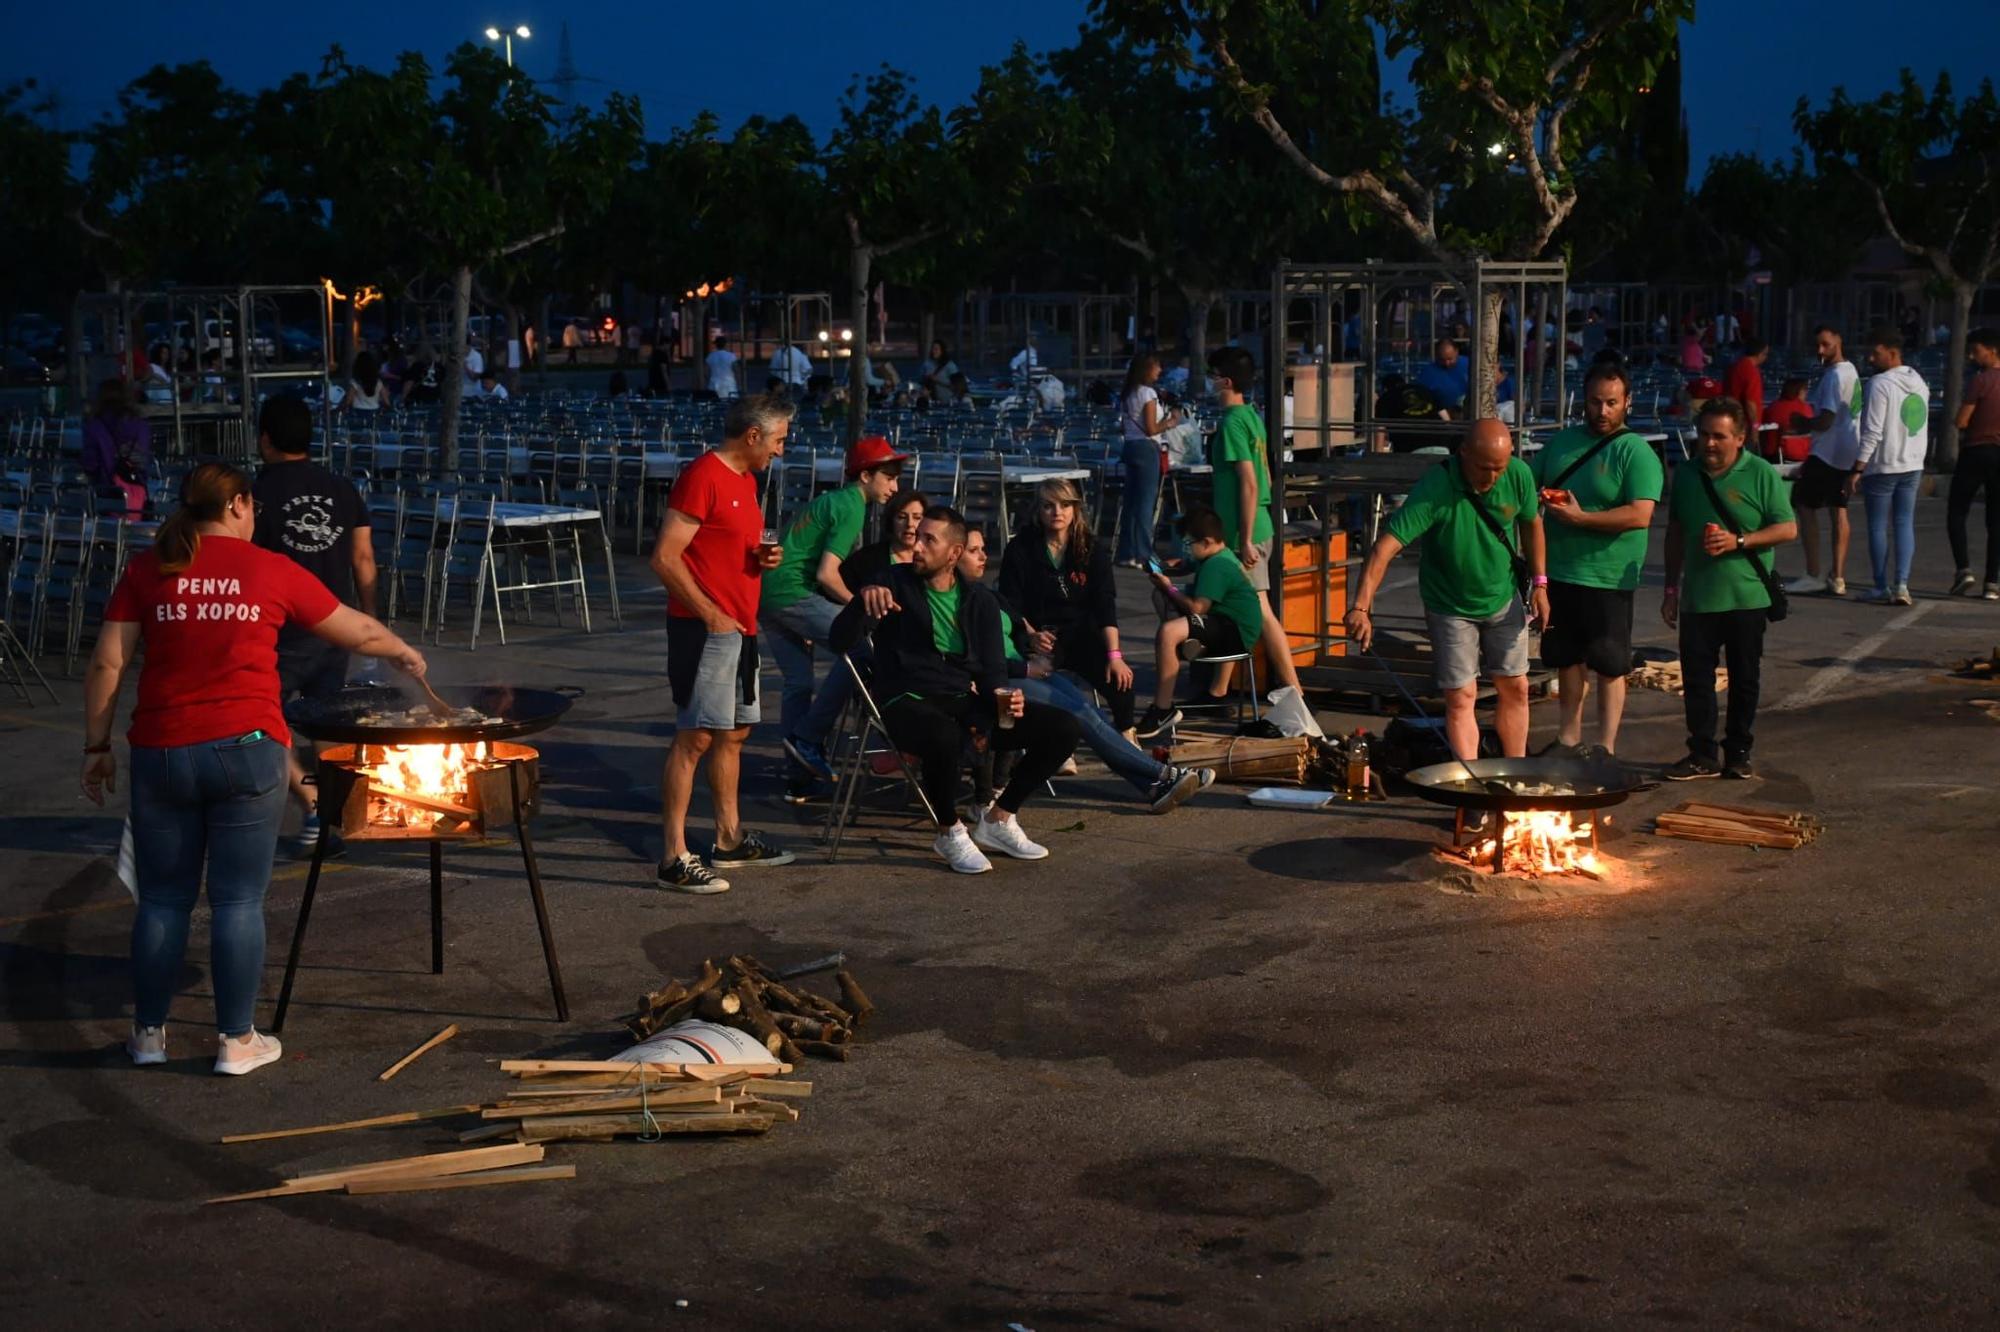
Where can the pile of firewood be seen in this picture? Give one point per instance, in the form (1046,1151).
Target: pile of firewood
(1737,825)
(1665,676)
(1979,668)
(1251,760)
(557,1100)
(789,1019)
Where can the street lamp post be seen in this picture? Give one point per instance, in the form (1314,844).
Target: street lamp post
(495,35)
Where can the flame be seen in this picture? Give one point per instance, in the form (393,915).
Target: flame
(435,772)
(367,296)
(1535,842)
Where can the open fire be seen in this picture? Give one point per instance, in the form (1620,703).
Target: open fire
(1531,843)
(415,786)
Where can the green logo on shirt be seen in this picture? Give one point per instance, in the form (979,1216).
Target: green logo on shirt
(1854,400)
(1916,412)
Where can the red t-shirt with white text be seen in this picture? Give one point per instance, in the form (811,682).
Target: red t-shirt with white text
(211,636)
(723,554)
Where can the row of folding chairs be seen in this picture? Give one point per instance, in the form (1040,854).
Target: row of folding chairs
(60,572)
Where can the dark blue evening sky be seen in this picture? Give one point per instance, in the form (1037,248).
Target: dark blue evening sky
(1747,62)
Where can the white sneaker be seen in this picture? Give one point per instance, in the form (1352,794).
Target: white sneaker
(1006,837)
(1805,585)
(147,1045)
(1901,596)
(1068,769)
(1992,592)
(955,845)
(1836,586)
(238,1056)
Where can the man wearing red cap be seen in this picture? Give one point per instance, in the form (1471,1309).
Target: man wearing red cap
(803,594)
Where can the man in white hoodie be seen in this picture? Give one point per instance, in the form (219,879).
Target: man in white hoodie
(1895,436)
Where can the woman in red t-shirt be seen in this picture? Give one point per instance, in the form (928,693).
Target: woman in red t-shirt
(209,745)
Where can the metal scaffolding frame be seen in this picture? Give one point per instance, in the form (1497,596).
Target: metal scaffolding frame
(1402,308)
(245,324)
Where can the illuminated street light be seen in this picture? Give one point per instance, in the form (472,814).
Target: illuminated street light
(495,35)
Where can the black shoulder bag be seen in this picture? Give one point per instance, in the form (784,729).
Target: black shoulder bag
(1585,457)
(1521,573)
(1780,605)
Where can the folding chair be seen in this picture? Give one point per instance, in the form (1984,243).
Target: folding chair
(850,759)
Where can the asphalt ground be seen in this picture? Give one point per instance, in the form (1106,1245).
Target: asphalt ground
(1230,1067)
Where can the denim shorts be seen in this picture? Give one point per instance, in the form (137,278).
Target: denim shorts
(714,676)
(1463,649)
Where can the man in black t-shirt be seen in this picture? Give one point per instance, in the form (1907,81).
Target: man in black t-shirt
(317,520)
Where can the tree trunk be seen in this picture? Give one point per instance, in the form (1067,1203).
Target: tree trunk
(1486,365)
(1524,405)
(452,380)
(1200,304)
(513,376)
(1962,294)
(926,334)
(861,260)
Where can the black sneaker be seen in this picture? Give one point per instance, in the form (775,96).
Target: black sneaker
(1557,749)
(1692,768)
(801,789)
(1739,770)
(689,875)
(1174,786)
(1157,722)
(749,853)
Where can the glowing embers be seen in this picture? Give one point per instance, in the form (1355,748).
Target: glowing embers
(429,791)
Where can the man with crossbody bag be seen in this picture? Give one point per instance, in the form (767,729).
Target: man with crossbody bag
(1480,594)
(1599,485)
(1727,506)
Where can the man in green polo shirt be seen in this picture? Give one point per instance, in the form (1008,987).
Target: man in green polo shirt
(1221,614)
(1241,458)
(1717,593)
(804,592)
(1472,601)
(1599,483)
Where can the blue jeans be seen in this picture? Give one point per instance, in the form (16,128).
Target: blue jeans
(218,802)
(793,631)
(1141,463)
(1123,757)
(1891,497)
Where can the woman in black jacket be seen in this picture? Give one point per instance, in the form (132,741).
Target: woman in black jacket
(1060,580)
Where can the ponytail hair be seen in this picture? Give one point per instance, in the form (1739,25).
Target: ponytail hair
(208,492)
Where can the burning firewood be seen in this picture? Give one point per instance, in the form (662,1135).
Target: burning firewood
(790,1020)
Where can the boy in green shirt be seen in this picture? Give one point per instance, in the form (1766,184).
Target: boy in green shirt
(1472,601)
(804,592)
(1241,457)
(1220,614)
(1718,579)
(1599,484)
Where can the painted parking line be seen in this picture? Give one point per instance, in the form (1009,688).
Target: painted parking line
(1825,680)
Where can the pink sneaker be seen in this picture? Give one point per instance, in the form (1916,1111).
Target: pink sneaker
(238,1055)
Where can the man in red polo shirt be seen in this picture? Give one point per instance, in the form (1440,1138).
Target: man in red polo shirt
(711,556)
(1746,381)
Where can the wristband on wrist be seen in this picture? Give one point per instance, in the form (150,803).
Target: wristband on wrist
(104,748)
(1673,592)
(1539,580)
(1116,655)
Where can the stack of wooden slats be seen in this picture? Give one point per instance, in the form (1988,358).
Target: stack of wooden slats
(1737,825)
(555,1100)
(1251,760)
(1665,676)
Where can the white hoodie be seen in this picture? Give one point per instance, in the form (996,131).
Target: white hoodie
(1895,422)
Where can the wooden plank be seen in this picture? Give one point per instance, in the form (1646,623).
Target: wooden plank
(775,1109)
(499,1129)
(416,1054)
(773,1087)
(478,1180)
(557,1128)
(426,803)
(519,1066)
(402,1117)
(439,1163)
(659,1100)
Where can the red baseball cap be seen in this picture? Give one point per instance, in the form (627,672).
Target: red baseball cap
(872,451)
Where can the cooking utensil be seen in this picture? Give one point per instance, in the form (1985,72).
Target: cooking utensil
(1592,783)
(510,712)
(1495,788)
(438,706)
